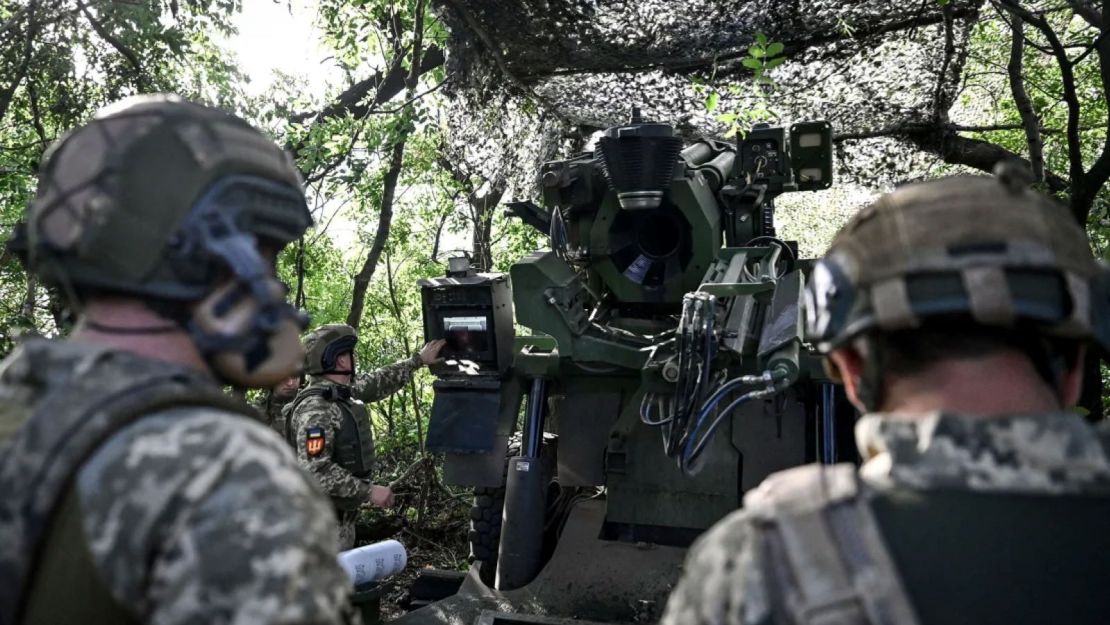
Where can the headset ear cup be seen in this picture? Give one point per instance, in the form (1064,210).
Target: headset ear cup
(284,359)
(248,356)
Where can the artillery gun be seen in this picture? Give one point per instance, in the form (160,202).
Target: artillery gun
(665,375)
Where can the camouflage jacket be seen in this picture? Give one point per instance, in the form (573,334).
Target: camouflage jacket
(191,514)
(724,581)
(271,408)
(382,382)
(312,412)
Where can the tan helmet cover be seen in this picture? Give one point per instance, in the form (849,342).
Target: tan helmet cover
(322,343)
(986,249)
(284,353)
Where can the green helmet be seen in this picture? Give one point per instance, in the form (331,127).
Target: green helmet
(120,201)
(169,201)
(986,250)
(325,344)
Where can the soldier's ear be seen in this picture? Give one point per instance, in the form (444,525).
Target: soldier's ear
(847,365)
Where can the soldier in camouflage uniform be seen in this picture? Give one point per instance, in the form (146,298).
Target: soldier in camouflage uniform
(329,423)
(135,489)
(272,405)
(956,313)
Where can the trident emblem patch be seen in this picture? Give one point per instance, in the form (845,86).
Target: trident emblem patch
(314,441)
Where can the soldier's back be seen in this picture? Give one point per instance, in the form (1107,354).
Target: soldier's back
(955,520)
(151,506)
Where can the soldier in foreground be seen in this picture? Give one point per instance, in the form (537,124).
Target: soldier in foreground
(957,314)
(330,426)
(135,489)
(272,406)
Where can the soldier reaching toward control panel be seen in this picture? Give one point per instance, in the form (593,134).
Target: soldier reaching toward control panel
(330,426)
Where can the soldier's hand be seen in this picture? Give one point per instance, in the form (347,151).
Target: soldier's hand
(381,496)
(429,354)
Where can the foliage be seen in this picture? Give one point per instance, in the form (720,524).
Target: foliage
(378,158)
(762,57)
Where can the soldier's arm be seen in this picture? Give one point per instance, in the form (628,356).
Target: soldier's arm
(385,381)
(317,417)
(722,581)
(207,519)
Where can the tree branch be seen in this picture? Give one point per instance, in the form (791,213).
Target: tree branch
(389,184)
(21,72)
(116,43)
(1087,12)
(381,235)
(1100,169)
(945,142)
(1075,154)
(1029,120)
(384,85)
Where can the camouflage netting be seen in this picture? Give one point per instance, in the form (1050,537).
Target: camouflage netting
(534,79)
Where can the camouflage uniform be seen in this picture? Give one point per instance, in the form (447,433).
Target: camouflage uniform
(189,515)
(311,410)
(135,489)
(951,518)
(725,581)
(272,408)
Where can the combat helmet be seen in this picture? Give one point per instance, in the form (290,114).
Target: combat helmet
(325,344)
(985,250)
(169,201)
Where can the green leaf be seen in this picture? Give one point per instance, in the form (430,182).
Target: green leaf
(757,52)
(775,62)
(751,63)
(775,49)
(761,38)
(711,101)
(726,118)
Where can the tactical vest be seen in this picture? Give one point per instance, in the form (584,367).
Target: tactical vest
(82,396)
(353,448)
(837,551)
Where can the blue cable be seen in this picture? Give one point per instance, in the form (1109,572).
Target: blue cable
(691,452)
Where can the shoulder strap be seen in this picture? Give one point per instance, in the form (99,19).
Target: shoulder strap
(76,415)
(824,550)
(334,394)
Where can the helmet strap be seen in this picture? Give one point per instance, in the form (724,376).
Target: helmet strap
(111,329)
(212,228)
(869,386)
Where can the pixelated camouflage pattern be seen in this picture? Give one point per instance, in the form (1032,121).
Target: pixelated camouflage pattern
(723,581)
(313,411)
(193,513)
(341,485)
(271,407)
(384,381)
(347,532)
(1038,454)
(253,538)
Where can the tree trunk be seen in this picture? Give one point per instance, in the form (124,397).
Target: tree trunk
(385,219)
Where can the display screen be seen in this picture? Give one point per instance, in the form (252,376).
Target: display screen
(467,336)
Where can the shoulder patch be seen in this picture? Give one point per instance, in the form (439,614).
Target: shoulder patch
(314,441)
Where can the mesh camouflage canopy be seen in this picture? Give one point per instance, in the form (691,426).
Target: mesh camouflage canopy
(986,249)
